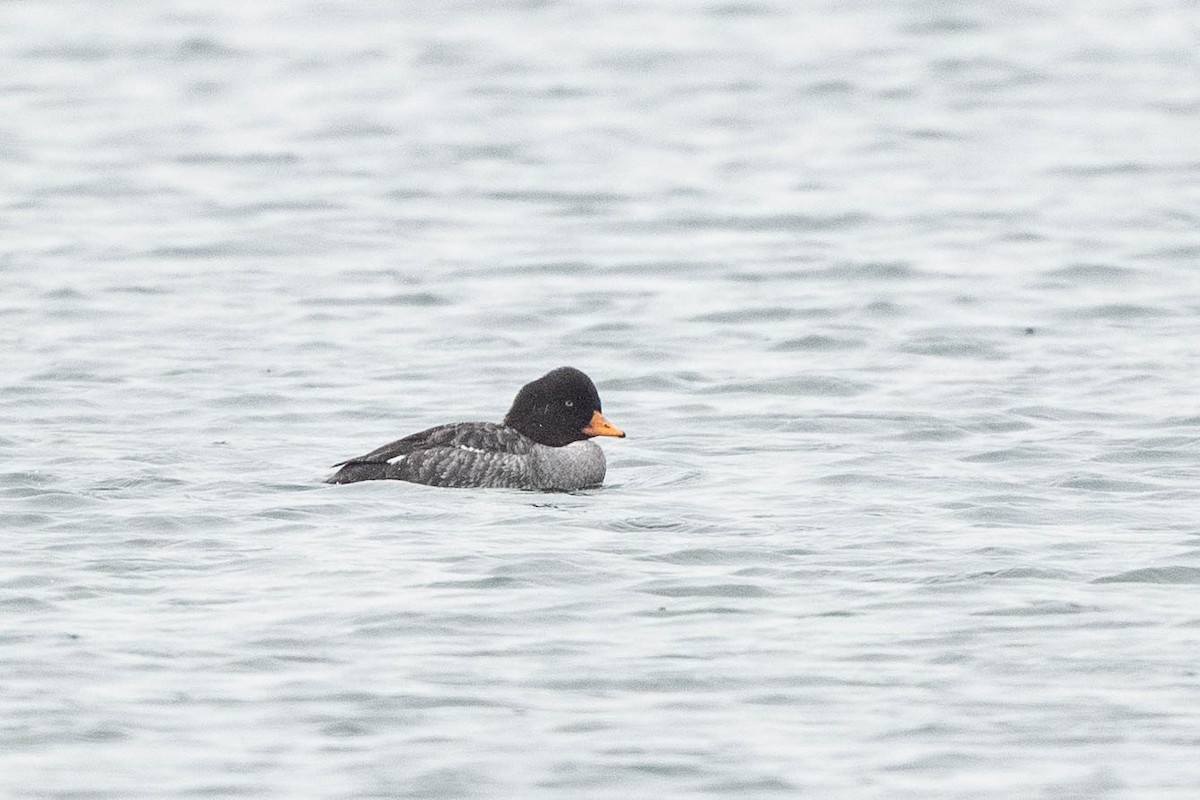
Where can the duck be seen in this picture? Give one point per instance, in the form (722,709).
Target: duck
(542,445)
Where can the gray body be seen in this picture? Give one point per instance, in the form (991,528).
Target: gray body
(479,455)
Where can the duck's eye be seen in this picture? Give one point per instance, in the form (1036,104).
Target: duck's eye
(570,404)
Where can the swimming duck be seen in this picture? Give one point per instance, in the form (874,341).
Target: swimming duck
(542,444)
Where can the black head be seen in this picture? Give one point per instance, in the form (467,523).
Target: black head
(558,408)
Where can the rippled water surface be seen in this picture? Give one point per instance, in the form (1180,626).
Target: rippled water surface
(898,303)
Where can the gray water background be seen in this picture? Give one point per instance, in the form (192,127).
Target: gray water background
(898,303)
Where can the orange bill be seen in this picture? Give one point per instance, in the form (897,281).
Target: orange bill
(599,426)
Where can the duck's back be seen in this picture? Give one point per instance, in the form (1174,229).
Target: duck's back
(492,458)
(464,454)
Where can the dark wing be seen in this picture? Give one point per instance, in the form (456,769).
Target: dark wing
(461,454)
(465,467)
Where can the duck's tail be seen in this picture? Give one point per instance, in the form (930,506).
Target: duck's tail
(355,471)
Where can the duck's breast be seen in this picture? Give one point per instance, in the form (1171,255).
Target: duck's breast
(575,466)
